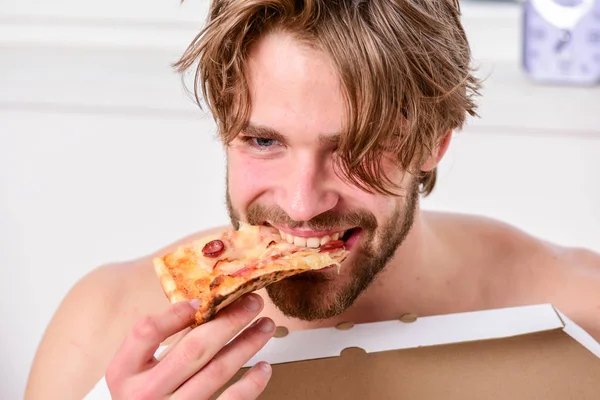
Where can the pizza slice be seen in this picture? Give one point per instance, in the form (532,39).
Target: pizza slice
(218,269)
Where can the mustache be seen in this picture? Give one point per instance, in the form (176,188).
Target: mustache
(328,220)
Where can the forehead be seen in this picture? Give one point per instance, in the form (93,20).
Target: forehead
(294,88)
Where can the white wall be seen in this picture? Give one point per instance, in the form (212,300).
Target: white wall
(103,158)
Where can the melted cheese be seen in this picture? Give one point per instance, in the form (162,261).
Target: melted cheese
(257,248)
(253,258)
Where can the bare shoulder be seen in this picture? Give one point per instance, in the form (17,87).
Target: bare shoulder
(575,285)
(523,269)
(485,237)
(512,248)
(86,328)
(92,320)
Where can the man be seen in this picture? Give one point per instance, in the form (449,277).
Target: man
(334,116)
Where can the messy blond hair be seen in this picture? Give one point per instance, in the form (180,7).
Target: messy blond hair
(404,68)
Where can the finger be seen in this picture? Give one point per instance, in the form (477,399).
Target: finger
(227,362)
(173,340)
(199,346)
(251,385)
(137,350)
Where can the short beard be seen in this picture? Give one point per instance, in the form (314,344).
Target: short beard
(312,296)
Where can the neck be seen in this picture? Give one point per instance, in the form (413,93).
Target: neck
(414,281)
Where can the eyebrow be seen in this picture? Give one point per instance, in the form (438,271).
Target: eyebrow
(265,132)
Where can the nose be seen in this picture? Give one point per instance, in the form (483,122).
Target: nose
(306,190)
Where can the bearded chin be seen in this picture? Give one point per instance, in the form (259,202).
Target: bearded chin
(314,296)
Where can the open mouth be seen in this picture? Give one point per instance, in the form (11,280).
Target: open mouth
(318,239)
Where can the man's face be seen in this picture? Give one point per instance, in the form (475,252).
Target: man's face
(280,172)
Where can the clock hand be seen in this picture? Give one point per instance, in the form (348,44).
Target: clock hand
(563,41)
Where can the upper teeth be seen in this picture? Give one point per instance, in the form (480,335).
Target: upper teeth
(313,242)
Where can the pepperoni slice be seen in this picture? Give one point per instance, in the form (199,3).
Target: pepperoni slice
(332,245)
(213,249)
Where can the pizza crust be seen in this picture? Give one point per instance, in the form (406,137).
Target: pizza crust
(224,295)
(167,282)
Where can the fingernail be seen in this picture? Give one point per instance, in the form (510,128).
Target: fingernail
(251,303)
(195,303)
(264,366)
(265,325)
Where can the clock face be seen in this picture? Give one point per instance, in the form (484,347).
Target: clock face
(562,41)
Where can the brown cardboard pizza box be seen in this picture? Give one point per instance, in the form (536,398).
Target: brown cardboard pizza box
(530,352)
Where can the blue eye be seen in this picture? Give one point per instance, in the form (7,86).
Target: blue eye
(262,142)
(262,145)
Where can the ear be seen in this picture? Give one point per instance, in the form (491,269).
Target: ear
(433,160)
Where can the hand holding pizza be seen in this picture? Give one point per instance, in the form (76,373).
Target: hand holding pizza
(201,362)
(220,271)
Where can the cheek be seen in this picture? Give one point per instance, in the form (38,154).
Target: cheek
(379,205)
(382,206)
(248,178)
